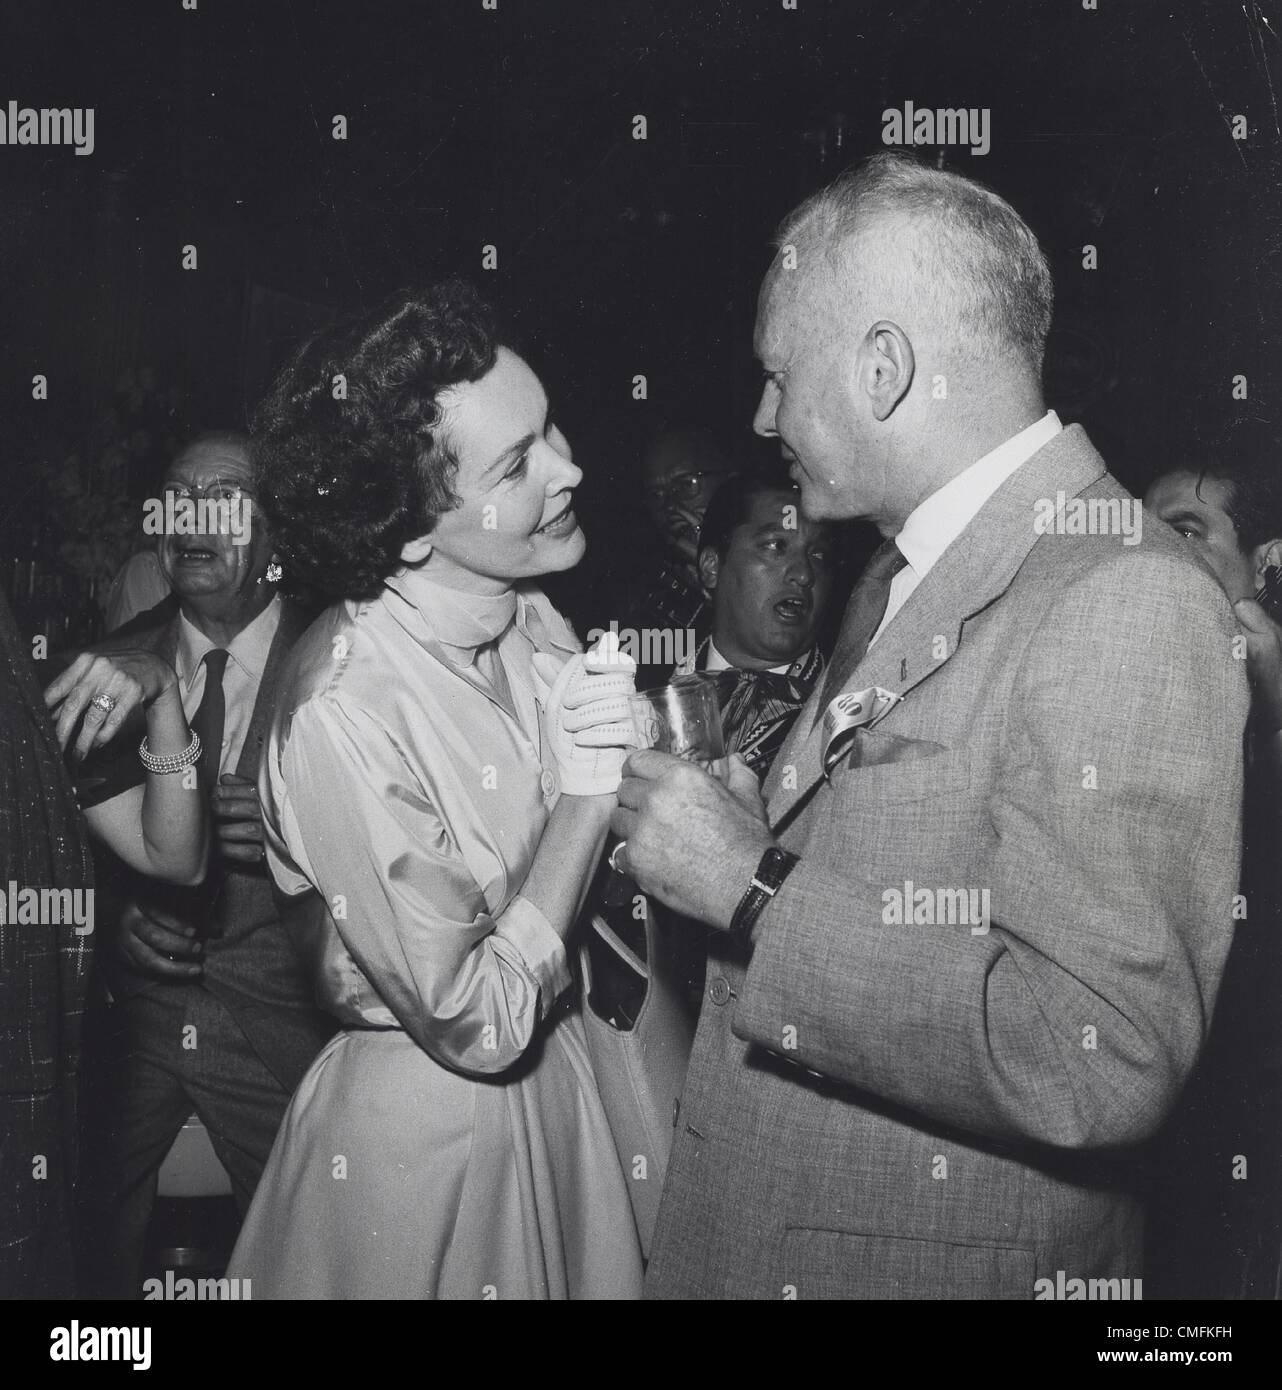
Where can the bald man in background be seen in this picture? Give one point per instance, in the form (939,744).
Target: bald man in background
(211,1010)
(965,952)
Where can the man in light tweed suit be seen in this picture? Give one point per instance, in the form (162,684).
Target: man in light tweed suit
(994,886)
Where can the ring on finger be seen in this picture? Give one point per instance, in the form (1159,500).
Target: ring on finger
(613,860)
(104,702)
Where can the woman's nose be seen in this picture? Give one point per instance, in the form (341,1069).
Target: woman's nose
(565,475)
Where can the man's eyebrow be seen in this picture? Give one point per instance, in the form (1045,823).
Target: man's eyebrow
(510,454)
(196,483)
(1177,516)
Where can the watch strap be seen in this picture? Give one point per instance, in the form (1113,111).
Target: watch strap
(775,866)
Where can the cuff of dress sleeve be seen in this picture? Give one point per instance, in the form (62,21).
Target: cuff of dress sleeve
(528,931)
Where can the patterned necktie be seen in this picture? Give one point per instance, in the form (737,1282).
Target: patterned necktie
(210,718)
(864,613)
(758,707)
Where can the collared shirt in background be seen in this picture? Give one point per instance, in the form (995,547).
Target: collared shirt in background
(247,658)
(717,662)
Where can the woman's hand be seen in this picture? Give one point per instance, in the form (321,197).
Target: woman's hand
(589,724)
(128,678)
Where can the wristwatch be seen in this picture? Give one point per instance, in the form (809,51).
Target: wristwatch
(775,866)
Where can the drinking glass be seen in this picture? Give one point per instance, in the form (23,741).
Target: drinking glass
(682,718)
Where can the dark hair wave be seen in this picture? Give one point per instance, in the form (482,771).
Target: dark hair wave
(349,453)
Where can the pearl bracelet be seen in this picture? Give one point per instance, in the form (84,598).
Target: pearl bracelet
(153,762)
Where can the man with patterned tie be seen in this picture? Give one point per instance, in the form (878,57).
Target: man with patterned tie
(965,950)
(209,1007)
(768,569)
(769,572)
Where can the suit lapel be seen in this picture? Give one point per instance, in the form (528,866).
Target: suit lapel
(921,638)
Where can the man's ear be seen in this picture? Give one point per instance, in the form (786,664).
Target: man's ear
(709,565)
(886,367)
(416,551)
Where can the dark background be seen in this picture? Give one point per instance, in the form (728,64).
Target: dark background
(514,128)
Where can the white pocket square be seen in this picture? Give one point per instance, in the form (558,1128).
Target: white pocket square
(847,714)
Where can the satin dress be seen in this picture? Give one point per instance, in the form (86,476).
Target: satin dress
(450,1142)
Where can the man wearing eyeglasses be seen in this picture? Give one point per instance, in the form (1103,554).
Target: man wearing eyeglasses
(683,466)
(209,1008)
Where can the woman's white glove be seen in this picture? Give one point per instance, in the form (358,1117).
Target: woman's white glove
(585,707)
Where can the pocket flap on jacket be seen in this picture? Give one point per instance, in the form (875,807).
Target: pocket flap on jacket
(847,1264)
(925,769)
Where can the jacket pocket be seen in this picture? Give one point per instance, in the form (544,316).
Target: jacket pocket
(847,1264)
(907,777)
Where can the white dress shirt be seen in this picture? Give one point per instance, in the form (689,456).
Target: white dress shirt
(935,524)
(717,662)
(246,660)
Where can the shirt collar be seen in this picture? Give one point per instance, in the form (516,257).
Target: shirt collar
(717,662)
(936,523)
(456,621)
(249,648)
(456,624)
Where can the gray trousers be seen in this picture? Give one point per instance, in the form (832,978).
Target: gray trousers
(162,1054)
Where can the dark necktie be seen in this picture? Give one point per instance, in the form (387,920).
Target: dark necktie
(210,718)
(864,613)
(198,904)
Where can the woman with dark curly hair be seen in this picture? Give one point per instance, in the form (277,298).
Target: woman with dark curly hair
(439,776)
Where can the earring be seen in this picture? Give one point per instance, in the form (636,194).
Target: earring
(275,572)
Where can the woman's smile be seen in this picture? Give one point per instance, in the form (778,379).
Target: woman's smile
(564,523)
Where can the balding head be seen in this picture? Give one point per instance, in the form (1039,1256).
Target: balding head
(225,451)
(946,258)
(901,328)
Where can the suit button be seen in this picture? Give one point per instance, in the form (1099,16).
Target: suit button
(548,783)
(676,1110)
(719,990)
